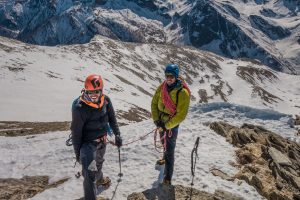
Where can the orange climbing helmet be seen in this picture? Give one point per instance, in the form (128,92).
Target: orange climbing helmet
(93,82)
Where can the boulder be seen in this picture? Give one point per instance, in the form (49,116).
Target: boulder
(297,120)
(26,187)
(266,160)
(179,192)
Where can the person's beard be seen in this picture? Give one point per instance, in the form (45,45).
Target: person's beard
(95,100)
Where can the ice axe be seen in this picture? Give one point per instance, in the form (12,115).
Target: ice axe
(194,156)
(120,174)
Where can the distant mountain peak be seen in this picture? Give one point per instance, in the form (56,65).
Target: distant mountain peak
(256,29)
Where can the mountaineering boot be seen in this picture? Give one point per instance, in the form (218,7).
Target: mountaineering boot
(104,182)
(160,162)
(166,182)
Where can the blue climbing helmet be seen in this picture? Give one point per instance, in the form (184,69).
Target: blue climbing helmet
(172,69)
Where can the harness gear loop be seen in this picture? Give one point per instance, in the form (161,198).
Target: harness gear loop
(101,139)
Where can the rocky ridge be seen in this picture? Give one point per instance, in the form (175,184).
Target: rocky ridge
(26,187)
(265,160)
(180,192)
(222,27)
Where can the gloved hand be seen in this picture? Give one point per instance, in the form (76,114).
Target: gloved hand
(118,140)
(160,124)
(156,122)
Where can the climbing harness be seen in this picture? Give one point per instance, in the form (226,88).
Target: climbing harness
(106,140)
(101,139)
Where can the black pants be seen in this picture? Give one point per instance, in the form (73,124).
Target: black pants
(92,158)
(169,153)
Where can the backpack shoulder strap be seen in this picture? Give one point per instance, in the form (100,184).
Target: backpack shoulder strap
(177,94)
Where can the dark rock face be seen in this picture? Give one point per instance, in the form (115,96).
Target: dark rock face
(297,120)
(273,32)
(100,2)
(26,187)
(178,192)
(268,161)
(254,76)
(205,25)
(232,11)
(259,1)
(208,25)
(292,5)
(268,12)
(28,20)
(72,30)
(146,4)
(69,22)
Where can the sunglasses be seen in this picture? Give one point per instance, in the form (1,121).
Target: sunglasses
(91,92)
(169,76)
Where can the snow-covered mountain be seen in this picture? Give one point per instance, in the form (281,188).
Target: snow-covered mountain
(53,76)
(266,30)
(39,83)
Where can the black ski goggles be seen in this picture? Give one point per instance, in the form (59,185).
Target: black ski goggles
(91,92)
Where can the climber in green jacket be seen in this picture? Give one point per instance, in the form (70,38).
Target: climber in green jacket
(169,108)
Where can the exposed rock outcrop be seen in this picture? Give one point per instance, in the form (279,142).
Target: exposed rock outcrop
(14,128)
(297,120)
(272,31)
(202,33)
(267,161)
(180,192)
(26,187)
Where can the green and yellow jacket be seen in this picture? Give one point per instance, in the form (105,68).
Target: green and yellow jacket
(160,112)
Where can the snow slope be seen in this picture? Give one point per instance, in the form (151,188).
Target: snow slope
(40,83)
(32,155)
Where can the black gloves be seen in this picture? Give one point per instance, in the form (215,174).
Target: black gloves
(77,153)
(157,122)
(160,124)
(118,140)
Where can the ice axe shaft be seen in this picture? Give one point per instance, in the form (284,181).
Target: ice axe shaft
(120,174)
(194,156)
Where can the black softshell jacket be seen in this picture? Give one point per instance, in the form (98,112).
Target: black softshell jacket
(89,123)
